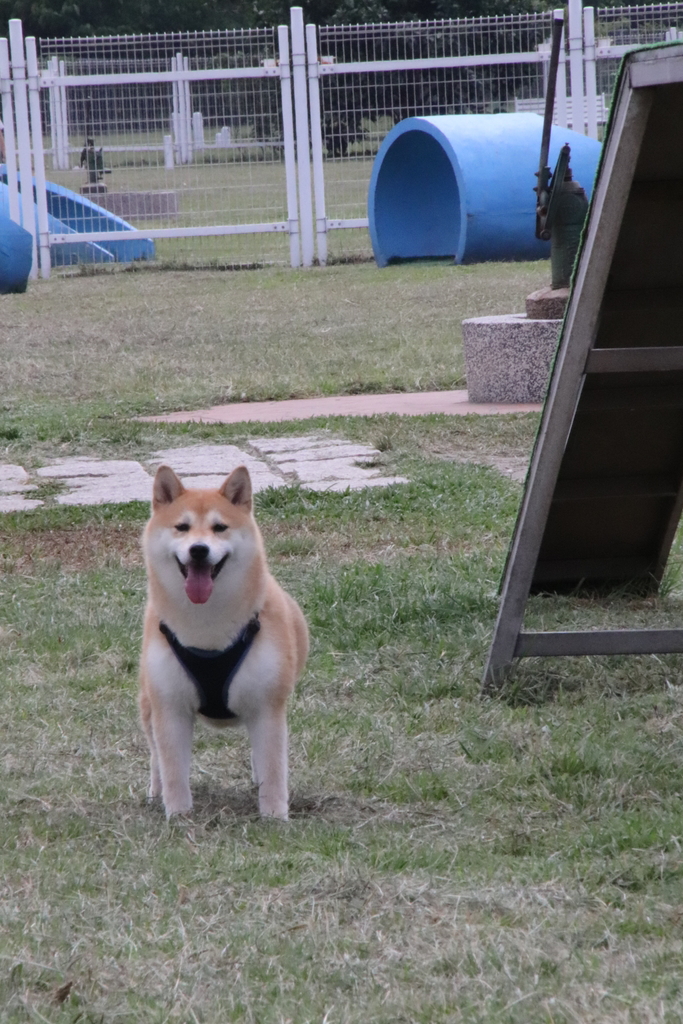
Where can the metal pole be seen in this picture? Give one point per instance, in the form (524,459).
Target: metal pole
(591,76)
(63,124)
(288,138)
(186,94)
(303,155)
(576,64)
(175,114)
(197,131)
(555,45)
(561,88)
(54,113)
(316,144)
(38,155)
(10,140)
(182,114)
(16,39)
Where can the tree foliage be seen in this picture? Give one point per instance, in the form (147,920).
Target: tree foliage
(45,18)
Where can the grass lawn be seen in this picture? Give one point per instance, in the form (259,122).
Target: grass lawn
(448,859)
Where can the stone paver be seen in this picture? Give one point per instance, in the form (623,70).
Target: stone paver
(13,479)
(317,463)
(14,482)
(99,481)
(208,465)
(321,464)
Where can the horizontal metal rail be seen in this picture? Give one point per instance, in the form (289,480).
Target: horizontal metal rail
(125,235)
(152,148)
(353,222)
(427,63)
(47,79)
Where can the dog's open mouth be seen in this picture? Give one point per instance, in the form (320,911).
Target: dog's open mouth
(199,578)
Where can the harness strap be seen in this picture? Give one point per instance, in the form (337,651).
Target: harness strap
(213,671)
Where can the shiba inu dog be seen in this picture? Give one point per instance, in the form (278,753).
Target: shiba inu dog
(222,640)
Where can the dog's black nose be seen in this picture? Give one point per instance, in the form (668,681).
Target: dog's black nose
(199,552)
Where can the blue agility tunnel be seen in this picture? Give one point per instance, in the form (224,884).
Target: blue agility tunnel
(461,186)
(16,256)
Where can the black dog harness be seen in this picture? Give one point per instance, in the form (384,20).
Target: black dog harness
(213,671)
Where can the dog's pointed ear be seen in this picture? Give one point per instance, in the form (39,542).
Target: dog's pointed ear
(237,487)
(167,487)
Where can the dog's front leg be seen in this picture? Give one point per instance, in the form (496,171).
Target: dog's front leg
(154,773)
(173,729)
(268,737)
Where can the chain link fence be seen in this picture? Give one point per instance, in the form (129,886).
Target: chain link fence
(186,154)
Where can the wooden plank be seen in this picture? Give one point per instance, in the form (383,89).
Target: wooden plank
(590,488)
(656,72)
(659,359)
(649,396)
(594,642)
(577,569)
(580,327)
(604,493)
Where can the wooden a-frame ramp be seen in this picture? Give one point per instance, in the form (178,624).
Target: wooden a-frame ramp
(604,491)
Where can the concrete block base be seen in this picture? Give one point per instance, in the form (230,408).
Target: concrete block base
(141,205)
(508,358)
(547,304)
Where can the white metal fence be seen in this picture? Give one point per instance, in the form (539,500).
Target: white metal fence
(254,147)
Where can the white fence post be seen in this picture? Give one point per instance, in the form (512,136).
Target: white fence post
(316,144)
(175,113)
(590,69)
(54,102)
(181,113)
(38,155)
(10,141)
(16,38)
(303,155)
(561,86)
(186,95)
(576,64)
(168,153)
(63,123)
(289,148)
(58,125)
(198,131)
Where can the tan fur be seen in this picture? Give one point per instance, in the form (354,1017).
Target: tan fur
(243,586)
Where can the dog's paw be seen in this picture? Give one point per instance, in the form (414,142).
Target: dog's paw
(274,809)
(176,807)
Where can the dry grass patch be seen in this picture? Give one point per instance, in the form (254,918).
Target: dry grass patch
(72,549)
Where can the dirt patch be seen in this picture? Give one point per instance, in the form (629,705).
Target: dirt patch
(74,549)
(514,466)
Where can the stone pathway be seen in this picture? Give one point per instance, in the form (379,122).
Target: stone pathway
(318,464)
(418,403)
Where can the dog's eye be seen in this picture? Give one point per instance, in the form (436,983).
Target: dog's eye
(182,527)
(219,528)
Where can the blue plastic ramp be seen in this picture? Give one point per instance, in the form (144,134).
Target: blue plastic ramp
(71,213)
(461,186)
(82,215)
(61,255)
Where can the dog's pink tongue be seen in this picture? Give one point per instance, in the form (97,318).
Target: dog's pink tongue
(198,584)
